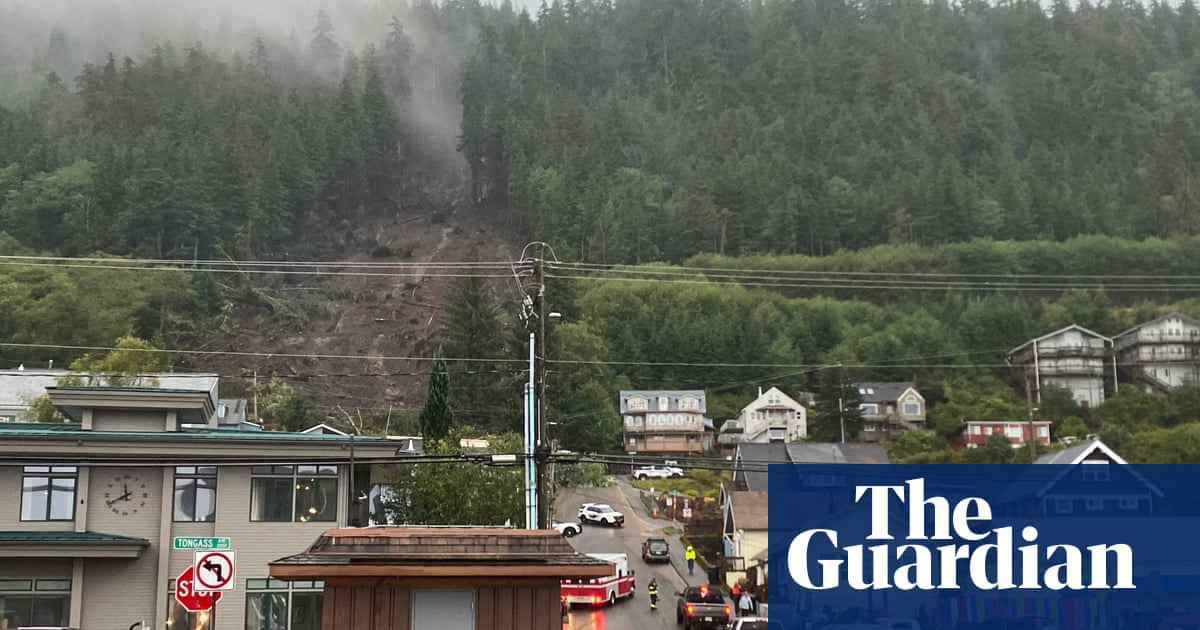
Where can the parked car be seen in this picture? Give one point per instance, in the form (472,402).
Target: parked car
(600,513)
(567,529)
(657,472)
(754,623)
(702,606)
(656,550)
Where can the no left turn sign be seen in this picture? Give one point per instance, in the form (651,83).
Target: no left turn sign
(213,570)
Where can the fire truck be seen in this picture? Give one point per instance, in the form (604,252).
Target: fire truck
(600,591)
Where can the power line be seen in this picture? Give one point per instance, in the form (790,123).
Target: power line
(317,273)
(889,274)
(267,355)
(751,281)
(501,264)
(773,365)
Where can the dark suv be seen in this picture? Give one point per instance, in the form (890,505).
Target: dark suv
(656,550)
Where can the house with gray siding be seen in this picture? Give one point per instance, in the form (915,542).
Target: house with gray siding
(94,505)
(1160,354)
(889,410)
(1074,358)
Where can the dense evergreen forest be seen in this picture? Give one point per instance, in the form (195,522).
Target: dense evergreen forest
(638,131)
(903,189)
(274,150)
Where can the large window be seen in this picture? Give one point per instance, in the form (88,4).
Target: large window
(34,603)
(196,494)
(444,610)
(293,493)
(48,493)
(274,605)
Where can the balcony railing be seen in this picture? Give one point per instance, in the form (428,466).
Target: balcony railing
(1087,352)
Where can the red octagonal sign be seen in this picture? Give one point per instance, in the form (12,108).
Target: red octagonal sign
(191,599)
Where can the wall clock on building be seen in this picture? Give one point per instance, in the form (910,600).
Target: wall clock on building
(126,494)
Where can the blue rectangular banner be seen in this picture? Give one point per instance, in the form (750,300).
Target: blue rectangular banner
(1092,546)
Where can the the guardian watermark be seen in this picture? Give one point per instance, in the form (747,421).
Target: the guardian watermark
(964,524)
(1102,546)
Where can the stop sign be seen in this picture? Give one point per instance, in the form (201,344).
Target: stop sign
(190,599)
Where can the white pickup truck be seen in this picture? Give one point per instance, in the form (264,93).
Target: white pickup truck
(656,472)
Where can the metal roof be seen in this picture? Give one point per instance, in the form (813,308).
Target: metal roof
(76,430)
(90,538)
(1048,335)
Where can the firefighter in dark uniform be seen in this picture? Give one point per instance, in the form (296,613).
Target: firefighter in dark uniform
(652,590)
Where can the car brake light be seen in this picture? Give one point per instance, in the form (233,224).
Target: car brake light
(728,611)
(596,599)
(691,609)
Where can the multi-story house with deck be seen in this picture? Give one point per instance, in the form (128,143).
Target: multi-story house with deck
(889,409)
(772,417)
(1160,354)
(1074,358)
(93,508)
(664,422)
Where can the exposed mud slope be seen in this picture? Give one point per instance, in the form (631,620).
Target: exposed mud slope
(365,320)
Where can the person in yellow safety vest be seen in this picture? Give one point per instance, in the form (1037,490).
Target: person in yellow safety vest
(652,589)
(690,555)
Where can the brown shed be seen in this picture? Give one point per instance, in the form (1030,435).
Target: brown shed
(450,578)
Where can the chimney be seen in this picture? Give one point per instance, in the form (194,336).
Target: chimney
(760,390)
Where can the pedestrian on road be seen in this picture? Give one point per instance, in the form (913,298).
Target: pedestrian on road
(690,555)
(652,589)
(745,605)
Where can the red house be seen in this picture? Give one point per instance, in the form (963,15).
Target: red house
(976,432)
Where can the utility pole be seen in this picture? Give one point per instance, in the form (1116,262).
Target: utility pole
(1029,405)
(530,436)
(841,401)
(542,445)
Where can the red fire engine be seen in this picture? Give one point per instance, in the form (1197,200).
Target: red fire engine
(605,590)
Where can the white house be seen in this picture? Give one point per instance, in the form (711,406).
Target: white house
(1162,353)
(1073,357)
(772,417)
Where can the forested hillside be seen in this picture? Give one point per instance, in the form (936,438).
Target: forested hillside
(869,190)
(647,130)
(302,138)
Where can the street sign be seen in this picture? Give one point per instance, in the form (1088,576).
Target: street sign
(687,512)
(214,570)
(191,599)
(201,542)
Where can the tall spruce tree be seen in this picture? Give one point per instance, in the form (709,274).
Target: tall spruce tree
(436,418)
(474,329)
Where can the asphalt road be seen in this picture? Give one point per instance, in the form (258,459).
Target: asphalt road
(630,613)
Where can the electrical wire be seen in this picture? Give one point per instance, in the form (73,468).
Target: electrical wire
(391,274)
(889,285)
(500,264)
(268,355)
(890,274)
